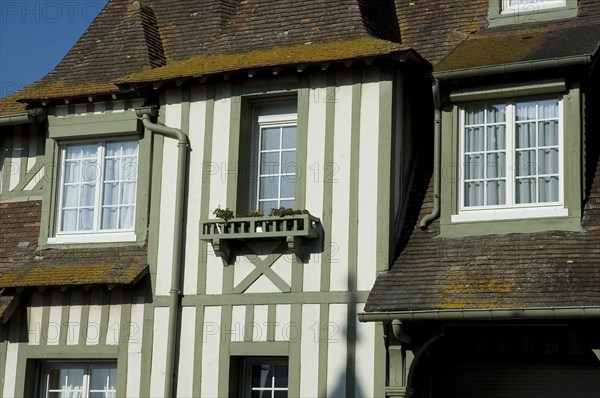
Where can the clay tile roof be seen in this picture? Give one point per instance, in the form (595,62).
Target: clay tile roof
(525,43)
(9,105)
(298,54)
(69,275)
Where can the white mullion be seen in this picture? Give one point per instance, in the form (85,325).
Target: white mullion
(279,177)
(79,185)
(510,147)
(100,187)
(120,164)
(61,188)
(260,158)
(537,153)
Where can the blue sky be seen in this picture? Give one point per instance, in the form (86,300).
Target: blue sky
(36,35)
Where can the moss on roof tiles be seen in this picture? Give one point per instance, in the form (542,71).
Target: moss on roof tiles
(62,89)
(276,56)
(486,50)
(9,106)
(60,275)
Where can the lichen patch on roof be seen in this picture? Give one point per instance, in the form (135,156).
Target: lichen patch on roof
(277,56)
(63,275)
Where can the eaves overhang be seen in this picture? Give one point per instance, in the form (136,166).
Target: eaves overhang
(274,60)
(483,314)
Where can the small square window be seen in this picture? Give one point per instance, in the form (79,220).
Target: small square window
(77,379)
(260,377)
(511,160)
(97,189)
(530,5)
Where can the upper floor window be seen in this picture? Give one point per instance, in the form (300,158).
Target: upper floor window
(511,160)
(277,161)
(506,12)
(98,184)
(76,379)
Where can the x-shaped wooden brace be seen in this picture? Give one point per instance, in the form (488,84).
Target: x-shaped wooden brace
(263,267)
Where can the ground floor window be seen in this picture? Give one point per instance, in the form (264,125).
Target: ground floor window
(260,377)
(78,380)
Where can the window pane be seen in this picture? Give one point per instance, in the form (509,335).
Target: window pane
(269,187)
(525,135)
(111,194)
(69,220)
(281,394)
(548,109)
(525,190)
(288,187)
(90,151)
(287,203)
(270,138)
(548,189)
(111,169)
(473,115)
(289,137)
(281,376)
(474,167)
(496,138)
(103,379)
(65,379)
(288,162)
(109,218)
(127,218)
(262,376)
(496,192)
(526,163)
(86,219)
(548,133)
(548,161)
(269,163)
(90,171)
(130,148)
(72,172)
(496,113)
(266,206)
(70,195)
(525,110)
(474,194)
(130,168)
(113,149)
(128,193)
(88,195)
(474,139)
(73,151)
(496,165)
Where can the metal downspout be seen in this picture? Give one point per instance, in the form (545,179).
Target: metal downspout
(437,132)
(174,294)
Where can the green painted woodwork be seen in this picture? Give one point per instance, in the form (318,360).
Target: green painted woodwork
(126,297)
(380,361)
(271,348)
(268,298)
(199,337)
(147,342)
(209,97)
(530,13)
(384,175)
(295,353)
(571,178)
(79,126)
(323,334)
(224,350)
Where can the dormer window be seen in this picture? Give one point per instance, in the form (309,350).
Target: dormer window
(508,12)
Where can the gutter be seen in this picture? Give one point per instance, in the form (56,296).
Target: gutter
(175,292)
(484,314)
(435,212)
(35,115)
(514,67)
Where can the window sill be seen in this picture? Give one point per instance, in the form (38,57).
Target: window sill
(114,237)
(510,214)
(291,229)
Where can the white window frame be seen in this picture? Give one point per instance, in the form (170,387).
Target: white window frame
(277,121)
(96,234)
(511,210)
(87,368)
(531,6)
